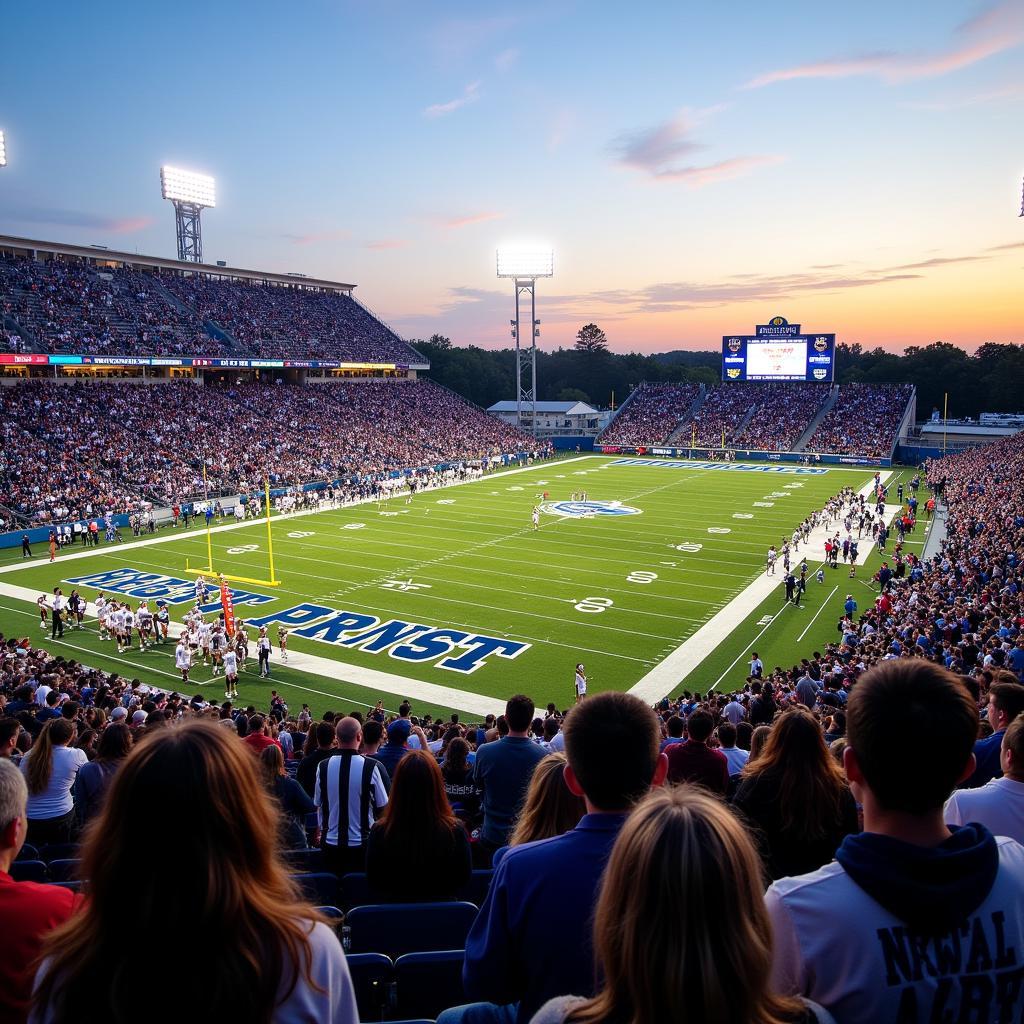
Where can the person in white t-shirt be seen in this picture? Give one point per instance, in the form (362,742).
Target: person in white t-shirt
(913,921)
(581,683)
(230,673)
(183,658)
(999,804)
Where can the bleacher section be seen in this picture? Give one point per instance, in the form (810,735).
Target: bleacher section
(651,413)
(864,420)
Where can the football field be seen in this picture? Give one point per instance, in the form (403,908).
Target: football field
(455,601)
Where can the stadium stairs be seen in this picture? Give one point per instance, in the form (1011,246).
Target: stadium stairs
(681,431)
(215,331)
(801,443)
(23,331)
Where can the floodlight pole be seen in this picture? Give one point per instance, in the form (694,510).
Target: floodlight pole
(189,231)
(526,359)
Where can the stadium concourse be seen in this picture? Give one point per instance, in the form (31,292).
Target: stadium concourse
(876,786)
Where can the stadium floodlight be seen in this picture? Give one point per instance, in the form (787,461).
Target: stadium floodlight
(3,150)
(524,265)
(191,193)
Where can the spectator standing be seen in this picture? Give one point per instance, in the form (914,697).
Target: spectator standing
(95,777)
(1005,703)
(736,757)
(695,761)
(189,805)
(457,771)
(50,769)
(258,737)
(305,774)
(681,931)
(502,772)
(999,804)
(532,938)
(419,850)
(291,800)
(851,934)
(551,808)
(28,911)
(795,798)
(349,793)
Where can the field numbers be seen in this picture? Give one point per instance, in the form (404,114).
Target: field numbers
(243,549)
(719,529)
(689,547)
(513,488)
(446,501)
(641,576)
(299,534)
(743,515)
(353,526)
(765,619)
(764,504)
(793,486)
(593,605)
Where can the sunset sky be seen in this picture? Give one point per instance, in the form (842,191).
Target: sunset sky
(697,168)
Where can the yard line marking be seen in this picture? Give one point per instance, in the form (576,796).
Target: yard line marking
(686,658)
(817,613)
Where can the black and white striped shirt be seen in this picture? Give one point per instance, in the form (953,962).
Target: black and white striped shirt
(350,784)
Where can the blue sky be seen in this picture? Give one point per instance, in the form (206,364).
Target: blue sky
(697,167)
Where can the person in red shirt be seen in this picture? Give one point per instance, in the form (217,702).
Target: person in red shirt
(258,738)
(695,761)
(27,910)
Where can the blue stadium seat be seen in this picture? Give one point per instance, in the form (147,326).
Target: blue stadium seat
(332,912)
(29,871)
(308,861)
(73,886)
(65,870)
(373,978)
(320,887)
(28,852)
(427,983)
(355,890)
(58,851)
(475,890)
(399,928)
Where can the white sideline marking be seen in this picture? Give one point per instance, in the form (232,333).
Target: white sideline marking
(689,655)
(817,613)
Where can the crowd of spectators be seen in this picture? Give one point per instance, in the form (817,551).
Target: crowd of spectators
(864,421)
(70,306)
(294,322)
(86,449)
(781,413)
(651,414)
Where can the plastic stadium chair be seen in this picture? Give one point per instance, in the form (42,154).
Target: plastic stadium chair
(65,870)
(29,871)
(58,851)
(399,928)
(306,861)
(319,887)
(427,983)
(28,852)
(475,890)
(373,981)
(355,890)
(332,912)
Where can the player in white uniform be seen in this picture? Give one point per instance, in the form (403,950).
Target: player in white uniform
(201,590)
(581,683)
(163,621)
(230,673)
(772,556)
(183,657)
(282,642)
(536,517)
(101,615)
(129,625)
(144,617)
(204,640)
(217,645)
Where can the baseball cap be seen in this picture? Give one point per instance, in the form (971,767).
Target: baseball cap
(398,732)
(139,717)
(117,714)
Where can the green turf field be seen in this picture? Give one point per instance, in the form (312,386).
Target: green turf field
(458,590)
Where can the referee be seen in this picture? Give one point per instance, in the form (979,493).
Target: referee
(59,603)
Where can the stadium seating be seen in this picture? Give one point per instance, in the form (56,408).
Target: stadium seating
(321,887)
(651,414)
(65,870)
(864,421)
(373,977)
(427,983)
(29,871)
(399,928)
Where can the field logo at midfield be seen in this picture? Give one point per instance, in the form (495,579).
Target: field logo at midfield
(586,509)
(154,586)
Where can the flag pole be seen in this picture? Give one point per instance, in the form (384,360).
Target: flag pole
(945,417)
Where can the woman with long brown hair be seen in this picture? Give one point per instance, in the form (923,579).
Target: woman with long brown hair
(681,932)
(292,801)
(550,807)
(95,777)
(188,828)
(795,797)
(50,769)
(418,850)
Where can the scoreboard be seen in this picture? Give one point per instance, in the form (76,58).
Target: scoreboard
(779,351)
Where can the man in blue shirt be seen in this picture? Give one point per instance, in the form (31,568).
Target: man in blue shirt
(532,938)
(503,770)
(1005,703)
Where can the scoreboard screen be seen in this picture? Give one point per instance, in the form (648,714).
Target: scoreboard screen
(778,351)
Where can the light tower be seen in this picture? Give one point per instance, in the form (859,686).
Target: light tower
(3,149)
(524,266)
(191,193)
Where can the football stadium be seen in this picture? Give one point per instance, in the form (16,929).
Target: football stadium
(352,671)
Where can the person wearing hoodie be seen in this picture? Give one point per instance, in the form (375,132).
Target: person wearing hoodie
(914,921)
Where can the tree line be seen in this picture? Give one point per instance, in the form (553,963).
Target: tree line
(988,380)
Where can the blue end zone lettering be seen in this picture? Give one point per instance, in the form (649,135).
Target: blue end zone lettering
(152,585)
(721,467)
(383,635)
(478,648)
(300,615)
(430,645)
(330,631)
